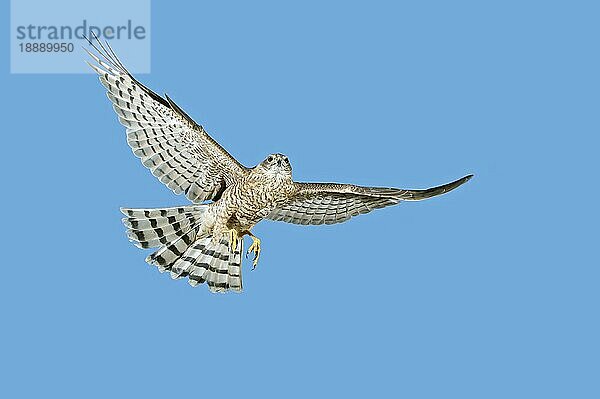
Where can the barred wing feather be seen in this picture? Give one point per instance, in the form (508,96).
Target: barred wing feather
(329,203)
(176,149)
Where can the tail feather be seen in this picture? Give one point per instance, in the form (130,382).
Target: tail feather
(182,252)
(234,270)
(212,263)
(224,272)
(183,266)
(219,263)
(197,270)
(157,236)
(167,255)
(172,229)
(213,276)
(162,212)
(145,223)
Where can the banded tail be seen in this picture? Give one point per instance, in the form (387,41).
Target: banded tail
(182,252)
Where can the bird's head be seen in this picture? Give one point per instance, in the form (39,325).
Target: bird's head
(277,166)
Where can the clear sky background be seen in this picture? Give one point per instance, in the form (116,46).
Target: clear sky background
(488,292)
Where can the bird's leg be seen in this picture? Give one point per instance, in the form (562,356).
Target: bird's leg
(255,247)
(233,239)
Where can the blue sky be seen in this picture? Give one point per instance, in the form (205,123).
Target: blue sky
(488,292)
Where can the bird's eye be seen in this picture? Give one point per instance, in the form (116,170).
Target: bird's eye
(270,159)
(286,160)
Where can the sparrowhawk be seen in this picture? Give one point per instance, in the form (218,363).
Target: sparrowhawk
(204,241)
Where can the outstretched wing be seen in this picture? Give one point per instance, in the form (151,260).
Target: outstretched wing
(176,149)
(329,203)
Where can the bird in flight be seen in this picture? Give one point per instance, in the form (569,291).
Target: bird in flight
(204,241)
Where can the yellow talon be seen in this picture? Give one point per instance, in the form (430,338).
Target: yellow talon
(255,247)
(233,239)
